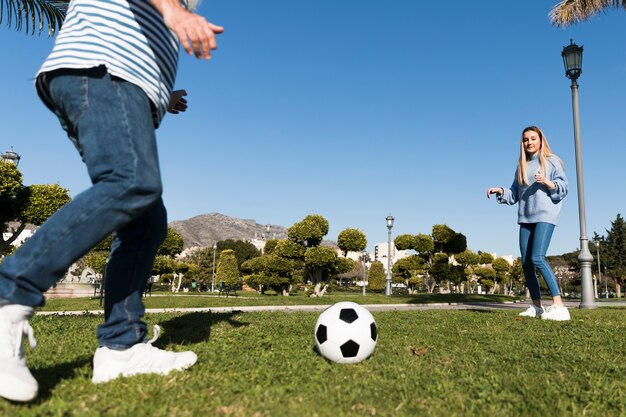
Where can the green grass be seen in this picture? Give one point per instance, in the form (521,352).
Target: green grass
(427,363)
(198,300)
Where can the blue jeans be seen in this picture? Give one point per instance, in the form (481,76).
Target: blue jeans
(110,122)
(534,239)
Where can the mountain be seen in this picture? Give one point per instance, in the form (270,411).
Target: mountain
(206,229)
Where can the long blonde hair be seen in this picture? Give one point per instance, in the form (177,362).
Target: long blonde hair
(544,153)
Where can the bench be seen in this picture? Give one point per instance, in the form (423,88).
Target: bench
(222,288)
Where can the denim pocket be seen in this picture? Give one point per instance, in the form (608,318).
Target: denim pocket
(69,93)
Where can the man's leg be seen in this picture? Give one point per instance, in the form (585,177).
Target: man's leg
(130,264)
(113,131)
(112,126)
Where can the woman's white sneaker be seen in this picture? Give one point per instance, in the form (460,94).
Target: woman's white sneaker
(532,311)
(556,313)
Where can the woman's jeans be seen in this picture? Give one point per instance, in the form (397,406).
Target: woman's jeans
(110,122)
(534,239)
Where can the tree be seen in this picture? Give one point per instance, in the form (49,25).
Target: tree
(243,250)
(410,270)
(277,270)
(615,253)
(25,204)
(319,262)
(439,270)
(424,245)
(404,242)
(487,277)
(517,274)
(484,258)
(227,270)
(172,245)
(376,279)
(310,231)
(468,260)
(351,240)
(34,14)
(441,235)
(456,244)
(503,272)
(203,259)
(573,11)
(270,244)
(163,265)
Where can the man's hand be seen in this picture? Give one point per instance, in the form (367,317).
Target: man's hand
(177,102)
(194,32)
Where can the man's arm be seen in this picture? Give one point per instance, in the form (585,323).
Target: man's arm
(194,32)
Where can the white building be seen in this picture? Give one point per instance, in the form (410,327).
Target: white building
(380,254)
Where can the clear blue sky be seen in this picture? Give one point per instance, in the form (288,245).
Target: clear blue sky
(356,109)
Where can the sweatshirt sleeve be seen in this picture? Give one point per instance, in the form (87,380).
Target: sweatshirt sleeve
(510,195)
(559,178)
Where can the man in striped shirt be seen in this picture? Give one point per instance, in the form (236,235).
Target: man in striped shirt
(109,79)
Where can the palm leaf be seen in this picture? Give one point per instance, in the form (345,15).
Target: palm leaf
(33,15)
(573,11)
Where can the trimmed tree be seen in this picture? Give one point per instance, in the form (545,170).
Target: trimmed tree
(227,270)
(376,276)
(351,240)
(32,204)
(410,270)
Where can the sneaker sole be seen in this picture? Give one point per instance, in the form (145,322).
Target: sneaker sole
(106,377)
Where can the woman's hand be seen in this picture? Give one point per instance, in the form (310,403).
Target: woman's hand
(495,190)
(543,180)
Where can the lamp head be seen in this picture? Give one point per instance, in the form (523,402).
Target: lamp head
(573,60)
(390,221)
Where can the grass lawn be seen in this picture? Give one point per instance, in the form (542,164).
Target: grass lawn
(427,363)
(199,300)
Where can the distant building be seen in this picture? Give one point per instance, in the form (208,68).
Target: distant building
(380,254)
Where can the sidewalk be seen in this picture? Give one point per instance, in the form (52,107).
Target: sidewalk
(371,307)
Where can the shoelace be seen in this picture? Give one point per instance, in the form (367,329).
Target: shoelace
(156,332)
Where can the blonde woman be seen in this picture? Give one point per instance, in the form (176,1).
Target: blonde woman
(540,185)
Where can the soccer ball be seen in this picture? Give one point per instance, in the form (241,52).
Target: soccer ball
(346,333)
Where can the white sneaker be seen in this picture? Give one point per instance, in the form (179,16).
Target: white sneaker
(16,381)
(143,358)
(532,311)
(557,313)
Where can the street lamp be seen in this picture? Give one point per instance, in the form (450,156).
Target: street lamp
(389,226)
(572,59)
(11,157)
(363,261)
(213,278)
(597,241)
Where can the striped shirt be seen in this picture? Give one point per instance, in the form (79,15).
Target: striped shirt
(129,37)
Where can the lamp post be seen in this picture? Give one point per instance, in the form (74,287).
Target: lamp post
(213,278)
(389,226)
(11,157)
(606,285)
(572,59)
(363,261)
(597,242)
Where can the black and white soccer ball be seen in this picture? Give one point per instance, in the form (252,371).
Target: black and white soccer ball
(346,333)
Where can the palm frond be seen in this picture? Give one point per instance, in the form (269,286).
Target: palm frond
(33,15)
(193,4)
(568,12)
